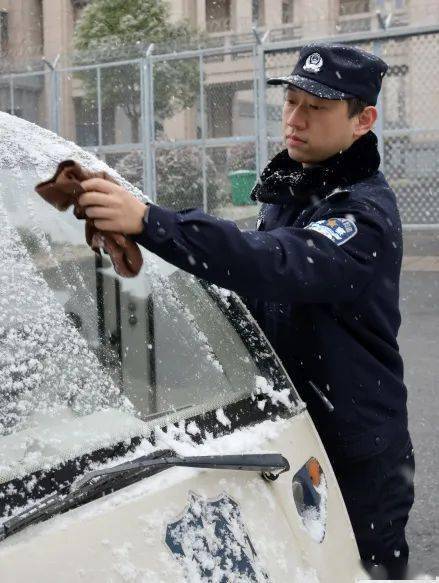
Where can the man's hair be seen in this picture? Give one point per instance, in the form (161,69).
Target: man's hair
(355,106)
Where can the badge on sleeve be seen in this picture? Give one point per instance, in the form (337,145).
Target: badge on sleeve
(339,229)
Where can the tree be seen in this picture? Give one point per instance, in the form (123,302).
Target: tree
(108,29)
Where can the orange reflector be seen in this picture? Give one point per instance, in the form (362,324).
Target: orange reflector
(314,471)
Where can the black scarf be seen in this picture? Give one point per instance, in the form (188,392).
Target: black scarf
(284,178)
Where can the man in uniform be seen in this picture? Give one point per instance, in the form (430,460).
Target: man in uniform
(321,276)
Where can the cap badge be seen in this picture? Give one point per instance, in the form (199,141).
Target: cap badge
(313,63)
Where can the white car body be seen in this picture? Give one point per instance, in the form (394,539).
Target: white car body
(183,524)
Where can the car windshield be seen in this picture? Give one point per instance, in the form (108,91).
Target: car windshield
(88,358)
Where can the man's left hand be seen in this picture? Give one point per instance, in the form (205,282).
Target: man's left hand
(111,207)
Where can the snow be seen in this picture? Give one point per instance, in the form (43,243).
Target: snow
(314,519)
(54,439)
(24,144)
(199,544)
(222,418)
(213,539)
(192,428)
(247,440)
(45,363)
(124,566)
(264,387)
(57,400)
(306,575)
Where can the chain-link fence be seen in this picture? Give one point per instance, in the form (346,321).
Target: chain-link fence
(192,128)
(408,128)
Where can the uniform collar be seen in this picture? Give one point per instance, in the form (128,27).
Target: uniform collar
(284,179)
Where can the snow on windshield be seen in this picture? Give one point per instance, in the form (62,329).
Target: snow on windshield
(26,145)
(44,361)
(76,339)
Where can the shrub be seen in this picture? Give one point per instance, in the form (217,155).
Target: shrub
(242,157)
(179,177)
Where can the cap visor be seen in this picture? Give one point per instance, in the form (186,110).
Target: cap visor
(310,86)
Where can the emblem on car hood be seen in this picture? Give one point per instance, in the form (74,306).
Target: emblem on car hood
(211,538)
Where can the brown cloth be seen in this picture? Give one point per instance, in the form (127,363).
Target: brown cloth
(62,191)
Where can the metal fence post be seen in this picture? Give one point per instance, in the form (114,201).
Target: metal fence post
(11,95)
(99,103)
(151,120)
(262,133)
(147,116)
(379,125)
(54,99)
(203,130)
(256,108)
(143,122)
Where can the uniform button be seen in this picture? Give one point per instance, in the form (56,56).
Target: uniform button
(161,231)
(377,440)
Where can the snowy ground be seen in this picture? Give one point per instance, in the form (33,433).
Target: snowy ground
(419,342)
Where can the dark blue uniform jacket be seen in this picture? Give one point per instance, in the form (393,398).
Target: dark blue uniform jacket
(321,276)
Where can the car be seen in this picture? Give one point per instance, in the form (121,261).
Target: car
(148,431)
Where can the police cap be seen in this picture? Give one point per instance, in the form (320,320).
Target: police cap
(336,71)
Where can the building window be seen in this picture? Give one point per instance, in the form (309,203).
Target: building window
(395,97)
(218,15)
(258,12)
(37,17)
(4,32)
(287,11)
(355,15)
(348,7)
(78,7)
(391,4)
(80,3)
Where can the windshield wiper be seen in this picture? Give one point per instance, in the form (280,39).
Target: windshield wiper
(106,480)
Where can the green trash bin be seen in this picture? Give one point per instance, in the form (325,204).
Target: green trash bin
(242,182)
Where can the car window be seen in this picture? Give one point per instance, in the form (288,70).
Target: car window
(83,351)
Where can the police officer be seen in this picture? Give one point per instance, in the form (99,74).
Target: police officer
(321,275)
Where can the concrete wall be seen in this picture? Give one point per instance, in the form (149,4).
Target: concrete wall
(25,27)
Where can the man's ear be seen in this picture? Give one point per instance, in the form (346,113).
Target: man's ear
(365,121)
